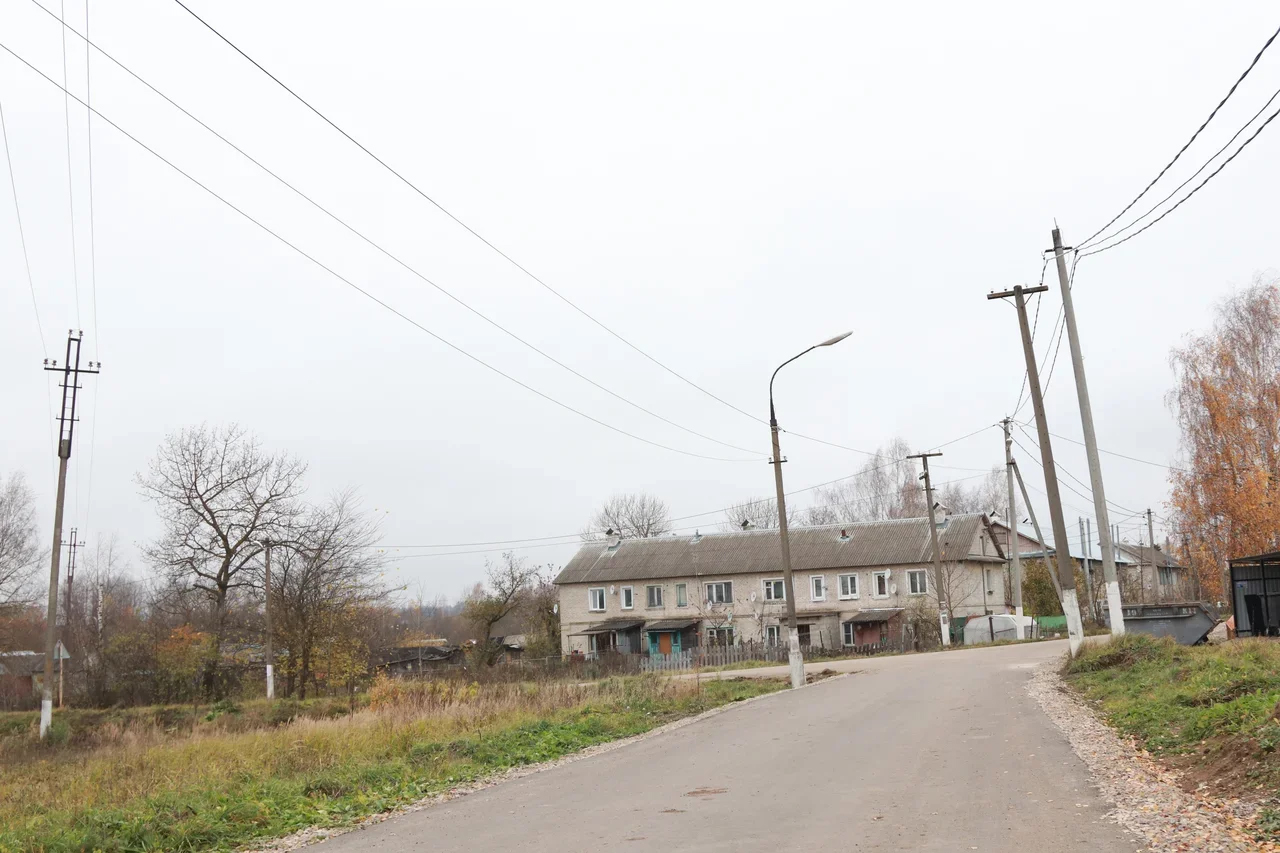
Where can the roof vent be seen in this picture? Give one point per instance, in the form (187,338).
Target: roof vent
(844,534)
(614,543)
(697,536)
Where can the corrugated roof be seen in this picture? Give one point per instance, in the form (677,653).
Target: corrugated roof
(902,541)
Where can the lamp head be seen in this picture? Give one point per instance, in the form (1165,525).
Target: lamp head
(837,339)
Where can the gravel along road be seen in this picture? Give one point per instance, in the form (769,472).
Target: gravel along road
(935,752)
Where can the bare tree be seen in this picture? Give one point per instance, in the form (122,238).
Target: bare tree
(757,512)
(329,570)
(630,516)
(885,487)
(507,590)
(219,495)
(20,551)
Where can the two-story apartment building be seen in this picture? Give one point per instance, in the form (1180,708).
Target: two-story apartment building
(853,584)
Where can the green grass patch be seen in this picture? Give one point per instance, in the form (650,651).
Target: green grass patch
(1215,709)
(222,791)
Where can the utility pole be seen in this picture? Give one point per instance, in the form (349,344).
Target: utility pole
(1015,561)
(71,371)
(944,597)
(266,583)
(1151,550)
(71,577)
(1066,574)
(1031,511)
(1114,608)
(1088,576)
(1088,552)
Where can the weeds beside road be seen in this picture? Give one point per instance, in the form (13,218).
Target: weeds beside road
(220,785)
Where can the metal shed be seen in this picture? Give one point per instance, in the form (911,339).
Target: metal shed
(1255,594)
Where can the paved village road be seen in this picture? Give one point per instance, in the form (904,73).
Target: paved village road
(933,752)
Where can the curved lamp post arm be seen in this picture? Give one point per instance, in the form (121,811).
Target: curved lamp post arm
(773,421)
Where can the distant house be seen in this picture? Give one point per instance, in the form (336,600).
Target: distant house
(853,584)
(22,676)
(415,660)
(1156,576)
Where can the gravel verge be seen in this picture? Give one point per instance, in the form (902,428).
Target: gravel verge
(1145,793)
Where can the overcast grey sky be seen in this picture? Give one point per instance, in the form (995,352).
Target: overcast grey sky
(721,184)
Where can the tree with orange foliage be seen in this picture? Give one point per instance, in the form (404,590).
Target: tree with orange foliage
(1226,399)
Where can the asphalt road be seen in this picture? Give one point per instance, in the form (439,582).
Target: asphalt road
(934,752)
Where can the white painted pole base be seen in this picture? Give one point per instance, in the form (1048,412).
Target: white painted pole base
(796,659)
(46,716)
(271,681)
(1114,608)
(1075,628)
(1017,611)
(944,628)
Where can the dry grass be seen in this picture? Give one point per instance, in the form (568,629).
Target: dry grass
(207,788)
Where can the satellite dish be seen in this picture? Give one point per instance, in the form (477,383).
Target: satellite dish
(555,608)
(893,589)
(753,596)
(613,590)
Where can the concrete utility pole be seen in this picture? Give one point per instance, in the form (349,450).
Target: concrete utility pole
(1088,552)
(1088,576)
(1066,574)
(266,583)
(1031,511)
(71,371)
(794,657)
(71,577)
(1114,609)
(1151,550)
(944,604)
(1015,560)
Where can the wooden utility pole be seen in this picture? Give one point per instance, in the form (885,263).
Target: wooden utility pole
(1088,575)
(944,596)
(72,546)
(1015,560)
(1066,573)
(1151,550)
(70,371)
(1115,612)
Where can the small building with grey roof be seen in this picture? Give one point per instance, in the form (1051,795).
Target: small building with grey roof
(855,584)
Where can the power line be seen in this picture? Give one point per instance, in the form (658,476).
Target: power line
(93,258)
(1205,124)
(412,270)
(1188,196)
(1123,456)
(1071,476)
(362,291)
(464,225)
(1035,324)
(1204,166)
(570,538)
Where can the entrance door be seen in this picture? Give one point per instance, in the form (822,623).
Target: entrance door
(664,643)
(803,630)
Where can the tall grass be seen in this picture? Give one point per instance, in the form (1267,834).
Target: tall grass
(209,788)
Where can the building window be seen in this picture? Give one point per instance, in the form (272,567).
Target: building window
(986,577)
(1166,576)
(881,583)
(628,598)
(850,634)
(983,540)
(720,593)
(818,587)
(918,582)
(775,590)
(773,635)
(682,595)
(653,596)
(595,598)
(848,586)
(720,636)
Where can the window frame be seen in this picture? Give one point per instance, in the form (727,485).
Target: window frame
(911,576)
(624,593)
(812,592)
(875,583)
(848,634)
(768,585)
(776,632)
(591,594)
(841,594)
(682,595)
(726,590)
(648,596)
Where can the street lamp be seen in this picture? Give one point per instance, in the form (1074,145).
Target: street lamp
(794,656)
